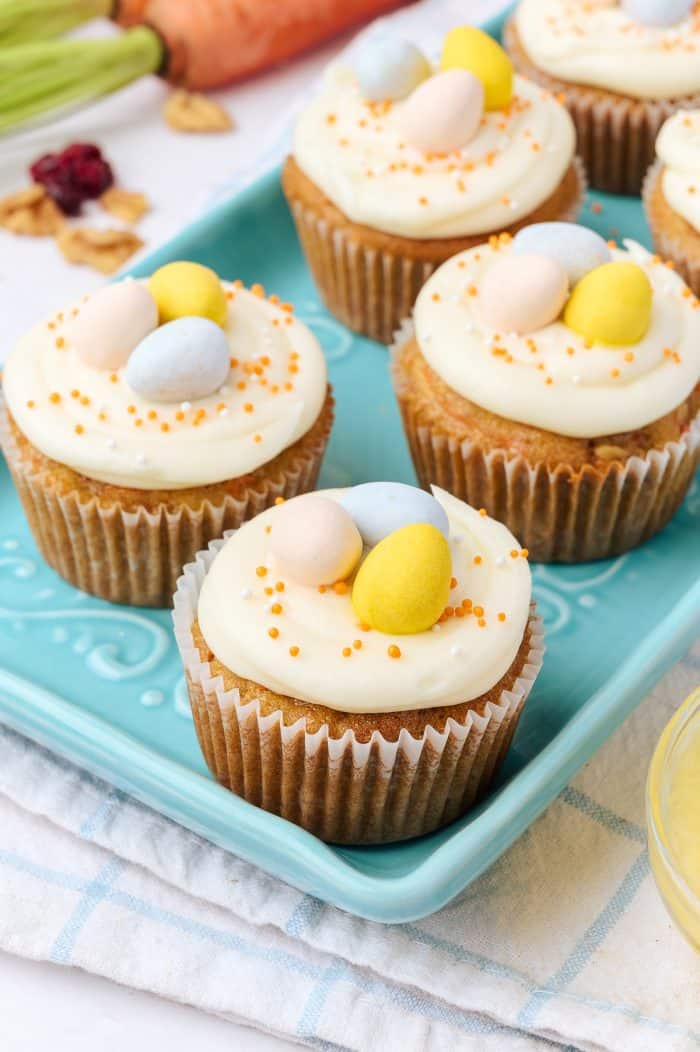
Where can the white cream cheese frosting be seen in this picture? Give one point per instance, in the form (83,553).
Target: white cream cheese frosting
(457,661)
(598,44)
(90,420)
(678,147)
(352,148)
(549,378)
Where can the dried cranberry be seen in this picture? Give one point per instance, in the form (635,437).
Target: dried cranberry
(66,196)
(45,167)
(92,177)
(81,151)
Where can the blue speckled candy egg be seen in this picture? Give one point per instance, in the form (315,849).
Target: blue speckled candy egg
(184,360)
(657,12)
(381,508)
(390,69)
(576,248)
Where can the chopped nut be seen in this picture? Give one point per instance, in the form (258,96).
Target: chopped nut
(195,113)
(610,453)
(105,250)
(128,205)
(31,212)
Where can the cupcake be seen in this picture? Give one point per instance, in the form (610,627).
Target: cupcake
(357,660)
(672,195)
(621,68)
(553,380)
(151,417)
(396,166)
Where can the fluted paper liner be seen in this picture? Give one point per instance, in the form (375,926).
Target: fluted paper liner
(558,514)
(343,790)
(681,244)
(370,289)
(136,556)
(616,134)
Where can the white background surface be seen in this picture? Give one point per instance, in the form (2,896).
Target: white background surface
(42,1005)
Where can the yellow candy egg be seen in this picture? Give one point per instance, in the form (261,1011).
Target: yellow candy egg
(403,585)
(611,304)
(469,48)
(188,289)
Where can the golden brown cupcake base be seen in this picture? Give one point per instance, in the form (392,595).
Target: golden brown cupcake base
(616,134)
(674,237)
(349,778)
(565,499)
(370,279)
(130,545)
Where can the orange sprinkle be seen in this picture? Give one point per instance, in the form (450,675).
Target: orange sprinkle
(293,368)
(364,627)
(436,297)
(422,201)
(257,289)
(478,611)
(233,362)
(60,342)
(322,589)
(269,591)
(481,622)
(289,386)
(152,414)
(294,651)
(477,560)
(340,587)
(268,529)
(276,608)
(482,512)
(514,554)
(261,571)
(288,307)
(453,582)
(467,604)
(79,429)
(84,400)
(179,415)
(501,616)
(131,409)
(357,644)
(524,552)
(393,651)
(75,393)
(629,356)
(54,397)
(347,652)
(165,426)
(279,500)
(279,587)
(241,385)
(570,350)
(101,416)
(138,422)
(248,407)
(596,208)
(273,632)
(472,290)
(31,403)
(460,612)
(114,378)
(614,373)
(257,438)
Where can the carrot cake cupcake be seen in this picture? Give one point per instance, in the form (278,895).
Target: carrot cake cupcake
(621,68)
(357,660)
(397,165)
(672,195)
(146,419)
(554,380)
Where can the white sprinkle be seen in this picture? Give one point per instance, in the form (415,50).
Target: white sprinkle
(426,337)
(111,444)
(224,390)
(576,379)
(185,406)
(501,560)
(456,651)
(458,538)
(141,460)
(552,149)
(513,205)
(246,593)
(223,412)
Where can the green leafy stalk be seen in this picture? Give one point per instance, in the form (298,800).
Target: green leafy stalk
(37,78)
(25,21)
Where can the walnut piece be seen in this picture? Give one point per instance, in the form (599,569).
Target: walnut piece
(31,212)
(611,452)
(105,250)
(125,204)
(195,113)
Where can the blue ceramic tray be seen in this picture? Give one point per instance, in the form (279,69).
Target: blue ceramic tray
(103,685)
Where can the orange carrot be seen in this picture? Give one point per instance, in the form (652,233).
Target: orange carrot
(212,42)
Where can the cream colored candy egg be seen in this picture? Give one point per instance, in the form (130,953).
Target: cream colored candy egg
(403,585)
(444,112)
(314,541)
(522,293)
(467,47)
(184,290)
(612,304)
(114,320)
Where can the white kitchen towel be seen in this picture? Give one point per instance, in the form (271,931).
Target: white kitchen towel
(564,942)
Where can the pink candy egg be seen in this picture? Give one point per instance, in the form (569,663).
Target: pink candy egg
(443,113)
(523,293)
(314,541)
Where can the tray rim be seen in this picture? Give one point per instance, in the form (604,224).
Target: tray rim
(200,804)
